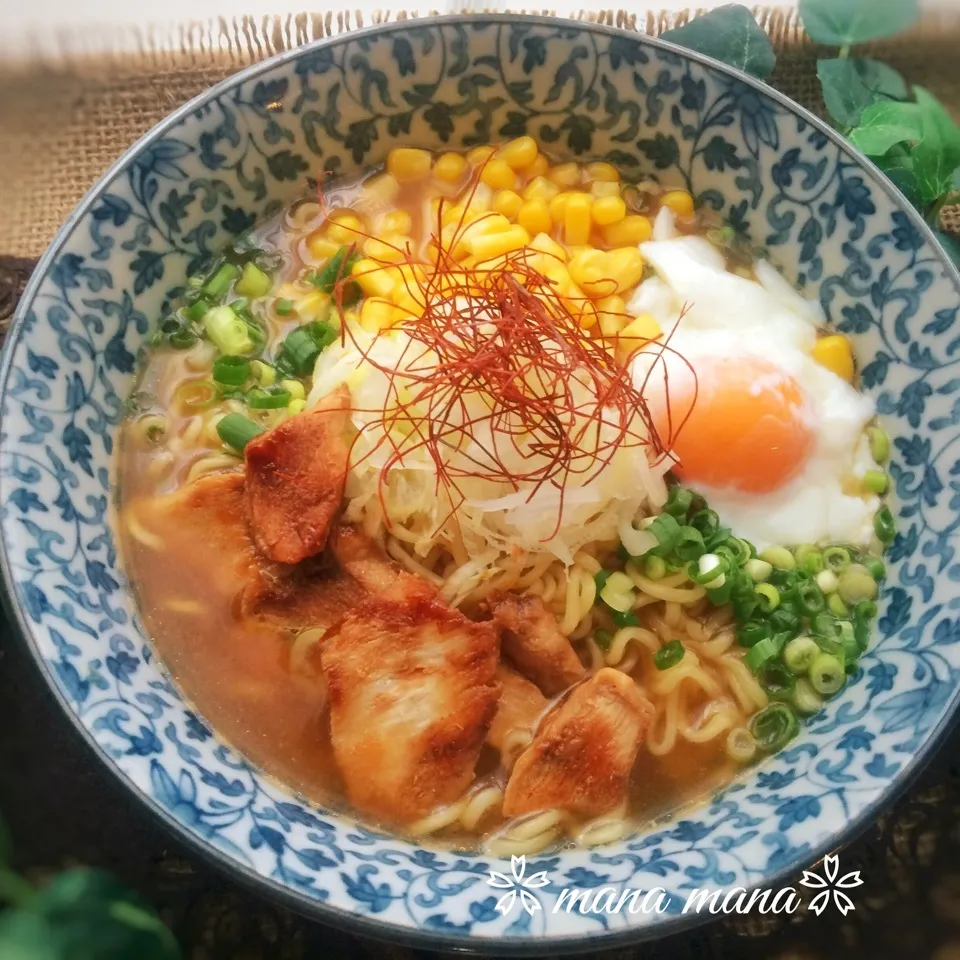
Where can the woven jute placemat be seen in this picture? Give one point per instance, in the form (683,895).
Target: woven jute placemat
(64,120)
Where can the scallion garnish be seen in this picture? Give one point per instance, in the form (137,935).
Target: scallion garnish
(232,371)
(299,351)
(216,287)
(236,431)
(669,655)
(272,398)
(773,727)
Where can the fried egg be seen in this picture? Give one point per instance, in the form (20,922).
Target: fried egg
(773,440)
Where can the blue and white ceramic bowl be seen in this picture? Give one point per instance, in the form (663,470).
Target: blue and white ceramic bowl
(246,147)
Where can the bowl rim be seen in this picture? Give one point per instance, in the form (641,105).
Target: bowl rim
(247,876)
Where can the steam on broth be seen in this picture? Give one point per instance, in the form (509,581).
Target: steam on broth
(500,501)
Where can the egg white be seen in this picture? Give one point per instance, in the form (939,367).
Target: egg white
(726,315)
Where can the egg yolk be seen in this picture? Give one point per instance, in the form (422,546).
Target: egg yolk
(746,428)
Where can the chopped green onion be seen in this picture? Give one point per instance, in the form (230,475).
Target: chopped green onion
(848,642)
(689,544)
(773,727)
(876,567)
(836,605)
(667,531)
(283,307)
(876,481)
(232,371)
(669,655)
(337,268)
(827,674)
(777,681)
(827,581)
(655,568)
(227,331)
(883,525)
(678,502)
(742,550)
(808,557)
(300,349)
(628,619)
(270,399)
(197,394)
(810,597)
(182,339)
(603,639)
(805,698)
(779,557)
(799,653)
(254,282)
(197,310)
(857,584)
(759,570)
(709,571)
(750,634)
(784,620)
(825,625)
(706,522)
(769,597)
(865,610)
(600,579)
(296,406)
(760,653)
(263,373)
(836,559)
(740,745)
(237,431)
(216,287)
(879,444)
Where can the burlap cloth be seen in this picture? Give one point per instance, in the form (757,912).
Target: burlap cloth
(61,124)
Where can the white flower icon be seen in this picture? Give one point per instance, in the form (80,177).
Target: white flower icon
(518,883)
(831,867)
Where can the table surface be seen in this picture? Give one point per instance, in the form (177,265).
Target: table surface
(63,807)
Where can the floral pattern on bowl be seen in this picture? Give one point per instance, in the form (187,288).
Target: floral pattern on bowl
(248,146)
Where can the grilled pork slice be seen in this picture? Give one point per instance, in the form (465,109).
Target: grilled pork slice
(518,709)
(533,641)
(365,561)
(295,478)
(580,759)
(412,692)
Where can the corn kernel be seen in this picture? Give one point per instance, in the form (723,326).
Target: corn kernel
(391,249)
(379,191)
(608,210)
(605,172)
(294,388)
(630,231)
(451,213)
(834,353)
(540,188)
(576,219)
(309,307)
(345,228)
(564,174)
(450,167)
(479,155)
(519,153)
(480,202)
(498,174)
(603,188)
(396,221)
(544,243)
(558,207)
(580,306)
(350,317)
(507,203)
(539,167)
(534,217)
(321,247)
(374,280)
(679,201)
(403,314)
(408,163)
(588,267)
(486,246)
(376,314)
(635,334)
(296,406)
(625,267)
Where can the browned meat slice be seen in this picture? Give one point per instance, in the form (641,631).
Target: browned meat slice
(580,759)
(295,478)
(412,692)
(364,559)
(532,639)
(519,708)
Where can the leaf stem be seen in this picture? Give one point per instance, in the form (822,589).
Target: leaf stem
(14,889)
(844,51)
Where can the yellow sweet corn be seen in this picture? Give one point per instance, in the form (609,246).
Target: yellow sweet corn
(374,279)
(396,221)
(519,153)
(539,167)
(498,174)
(388,250)
(564,174)
(480,155)
(345,228)
(632,230)
(612,315)
(608,210)
(408,163)
(321,247)
(590,271)
(376,314)
(350,317)
(625,268)
(452,213)
(488,245)
(635,334)
(310,306)
(679,201)
(540,188)
(834,353)
(296,406)
(534,217)
(576,219)
(450,167)
(604,188)
(558,207)
(544,243)
(601,171)
(379,191)
(507,203)
(294,388)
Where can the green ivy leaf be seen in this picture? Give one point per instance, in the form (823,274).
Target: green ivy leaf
(730,34)
(897,164)
(937,153)
(883,125)
(956,179)
(850,86)
(85,915)
(949,244)
(841,23)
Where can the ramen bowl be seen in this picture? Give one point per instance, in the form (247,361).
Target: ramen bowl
(827,218)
